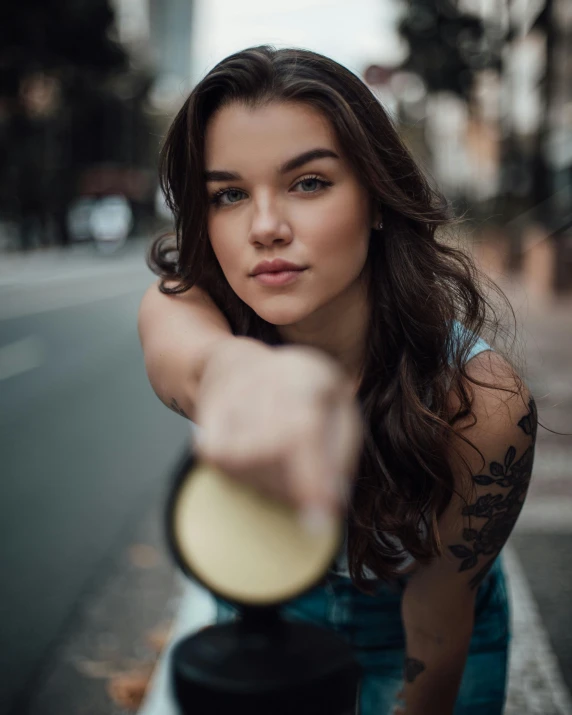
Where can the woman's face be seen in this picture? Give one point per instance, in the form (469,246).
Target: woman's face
(269,201)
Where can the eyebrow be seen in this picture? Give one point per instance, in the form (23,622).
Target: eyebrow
(289,165)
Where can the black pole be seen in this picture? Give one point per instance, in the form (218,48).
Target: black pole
(542,188)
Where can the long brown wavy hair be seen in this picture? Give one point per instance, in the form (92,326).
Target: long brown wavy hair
(418,285)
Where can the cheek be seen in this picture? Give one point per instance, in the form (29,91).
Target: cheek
(224,249)
(341,235)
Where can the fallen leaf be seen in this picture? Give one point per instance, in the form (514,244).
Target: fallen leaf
(143,556)
(95,669)
(159,637)
(127,690)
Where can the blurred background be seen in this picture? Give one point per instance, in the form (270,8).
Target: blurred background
(481,91)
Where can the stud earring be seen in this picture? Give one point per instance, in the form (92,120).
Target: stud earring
(379,226)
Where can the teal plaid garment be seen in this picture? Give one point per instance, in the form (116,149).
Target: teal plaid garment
(372,626)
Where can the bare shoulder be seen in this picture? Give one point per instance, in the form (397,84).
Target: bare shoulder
(491,457)
(194,302)
(179,322)
(195,295)
(501,398)
(495,443)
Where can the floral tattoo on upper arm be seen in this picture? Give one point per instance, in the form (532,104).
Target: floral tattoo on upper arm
(500,510)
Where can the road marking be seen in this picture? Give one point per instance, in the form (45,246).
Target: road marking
(196,610)
(22,356)
(535,684)
(58,264)
(43,275)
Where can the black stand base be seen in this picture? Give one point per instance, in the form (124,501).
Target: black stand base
(262,664)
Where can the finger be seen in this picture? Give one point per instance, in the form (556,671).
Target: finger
(267,479)
(309,471)
(219,433)
(249,461)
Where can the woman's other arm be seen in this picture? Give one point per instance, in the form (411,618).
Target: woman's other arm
(439,599)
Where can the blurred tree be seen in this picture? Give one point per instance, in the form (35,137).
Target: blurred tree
(542,174)
(446,45)
(69,99)
(56,36)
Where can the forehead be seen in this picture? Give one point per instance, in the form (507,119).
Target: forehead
(271,134)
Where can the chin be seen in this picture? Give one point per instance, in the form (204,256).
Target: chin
(279,310)
(279,319)
(280,316)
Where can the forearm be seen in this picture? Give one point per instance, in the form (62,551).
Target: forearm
(432,679)
(437,647)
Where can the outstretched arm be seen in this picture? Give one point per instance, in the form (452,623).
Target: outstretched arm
(281,419)
(439,599)
(178,333)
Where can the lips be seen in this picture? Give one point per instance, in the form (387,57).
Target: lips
(276,266)
(279,278)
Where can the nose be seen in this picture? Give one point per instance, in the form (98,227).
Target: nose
(268,225)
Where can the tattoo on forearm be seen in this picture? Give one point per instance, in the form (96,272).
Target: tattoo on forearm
(174,405)
(412,668)
(501,511)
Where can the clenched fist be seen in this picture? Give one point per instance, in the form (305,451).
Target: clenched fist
(283,420)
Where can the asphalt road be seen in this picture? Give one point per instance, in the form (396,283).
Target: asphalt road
(85,445)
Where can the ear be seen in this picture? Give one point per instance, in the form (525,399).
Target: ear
(377,217)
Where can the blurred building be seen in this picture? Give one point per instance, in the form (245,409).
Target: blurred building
(86,90)
(534,128)
(492,116)
(158,34)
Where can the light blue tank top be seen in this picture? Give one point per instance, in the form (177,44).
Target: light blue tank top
(340,567)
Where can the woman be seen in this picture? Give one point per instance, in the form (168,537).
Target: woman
(326,342)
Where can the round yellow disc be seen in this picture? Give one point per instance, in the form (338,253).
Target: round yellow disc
(244,546)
